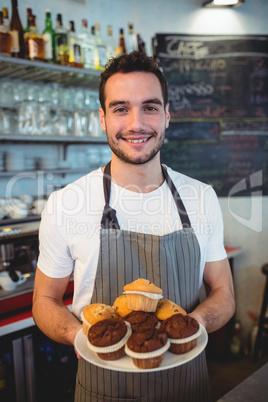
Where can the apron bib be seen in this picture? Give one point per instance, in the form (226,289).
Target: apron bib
(172,263)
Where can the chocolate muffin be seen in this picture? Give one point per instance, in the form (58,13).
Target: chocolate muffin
(147,347)
(182,331)
(108,337)
(141,320)
(95,312)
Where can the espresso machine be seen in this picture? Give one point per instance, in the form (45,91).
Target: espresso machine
(19,247)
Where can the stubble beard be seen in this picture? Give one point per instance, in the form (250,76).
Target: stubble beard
(139,159)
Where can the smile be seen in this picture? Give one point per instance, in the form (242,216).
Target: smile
(138,141)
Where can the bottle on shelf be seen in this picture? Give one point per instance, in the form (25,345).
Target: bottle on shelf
(29,13)
(49,39)
(236,343)
(75,59)
(16,32)
(110,43)
(34,45)
(88,49)
(5,38)
(122,44)
(132,42)
(141,44)
(5,18)
(61,43)
(101,48)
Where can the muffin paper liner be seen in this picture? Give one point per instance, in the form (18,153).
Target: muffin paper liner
(148,355)
(189,339)
(154,296)
(84,320)
(112,348)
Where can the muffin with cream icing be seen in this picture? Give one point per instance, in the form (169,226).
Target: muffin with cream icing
(142,295)
(141,320)
(120,306)
(166,308)
(95,312)
(108,338)
(182,331)
(147,347)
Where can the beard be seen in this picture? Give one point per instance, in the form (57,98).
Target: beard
(139,159)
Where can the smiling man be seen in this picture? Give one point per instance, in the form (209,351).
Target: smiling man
(146,221)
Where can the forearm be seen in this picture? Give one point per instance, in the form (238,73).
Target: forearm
(216,310)
(55,320)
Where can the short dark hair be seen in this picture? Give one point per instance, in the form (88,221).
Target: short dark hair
(127,63)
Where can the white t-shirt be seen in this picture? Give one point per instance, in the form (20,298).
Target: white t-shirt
(70,225)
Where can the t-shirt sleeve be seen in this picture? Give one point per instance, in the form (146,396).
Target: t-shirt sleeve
(215,249)
(54,255)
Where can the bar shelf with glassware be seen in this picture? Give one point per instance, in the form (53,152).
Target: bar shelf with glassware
(54,171)
(39,71)
(51,139)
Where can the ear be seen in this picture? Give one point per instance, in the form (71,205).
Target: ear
(102,119)
(167,115)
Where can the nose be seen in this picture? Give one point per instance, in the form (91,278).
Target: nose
(136,121)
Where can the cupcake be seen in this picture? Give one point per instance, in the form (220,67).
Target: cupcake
(182,331)
(147,348)
(142,295)
(120,306)
(96,312)
(141,320)
(108,338)
(166,308)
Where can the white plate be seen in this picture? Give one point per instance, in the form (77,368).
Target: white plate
(125,364)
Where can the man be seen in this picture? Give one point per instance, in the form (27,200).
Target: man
(135,218)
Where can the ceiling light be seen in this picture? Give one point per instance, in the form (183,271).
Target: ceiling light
(223,3)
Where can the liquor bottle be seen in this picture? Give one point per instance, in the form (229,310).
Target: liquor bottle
(34,42)
(110,43)
(122,44)
(61,43)
(101,48)
(16,32)
(236,344)
(74,48)
(5,38)
(132,42)
(88,48)
(141,44)
(29,13)
(5,18)
(49,39)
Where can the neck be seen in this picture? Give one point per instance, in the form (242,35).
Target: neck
(138,178)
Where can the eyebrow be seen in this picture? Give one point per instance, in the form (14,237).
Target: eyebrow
(154,101)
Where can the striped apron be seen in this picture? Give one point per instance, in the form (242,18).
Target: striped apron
(171,262)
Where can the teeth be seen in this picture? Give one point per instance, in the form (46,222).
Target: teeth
(138,141)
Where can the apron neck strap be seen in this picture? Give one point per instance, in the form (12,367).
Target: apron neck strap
(178,201)
(109,219)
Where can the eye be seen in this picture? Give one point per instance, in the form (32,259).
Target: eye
(120,110)
(150,109)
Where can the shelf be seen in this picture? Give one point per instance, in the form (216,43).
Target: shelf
(15,222)
(51,139)
(53,171)
(40,71)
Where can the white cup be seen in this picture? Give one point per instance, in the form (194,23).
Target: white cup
(17,210)
(39,205)
(7,283)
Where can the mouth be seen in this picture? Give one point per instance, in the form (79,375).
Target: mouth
(137,141)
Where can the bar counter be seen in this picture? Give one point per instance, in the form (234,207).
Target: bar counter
(253,389)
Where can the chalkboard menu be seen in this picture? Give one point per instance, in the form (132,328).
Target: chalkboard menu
(218,96)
